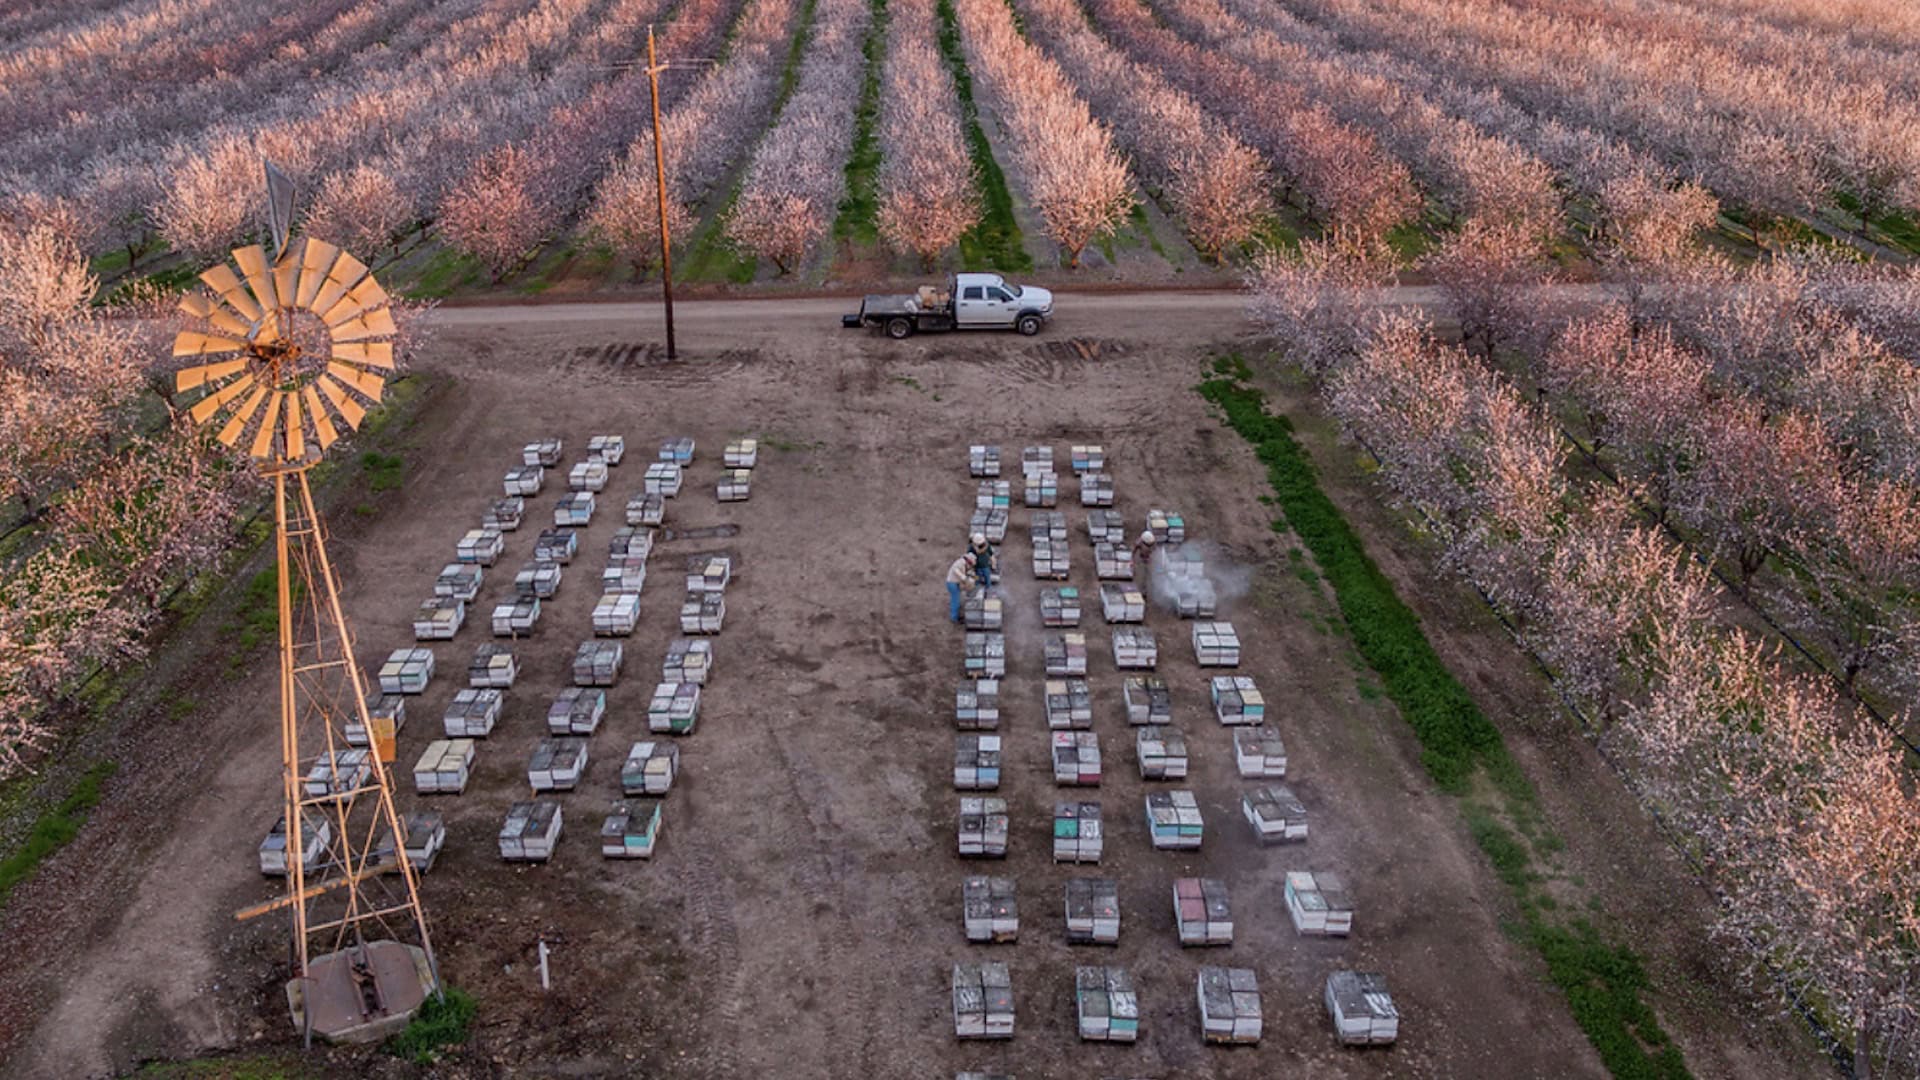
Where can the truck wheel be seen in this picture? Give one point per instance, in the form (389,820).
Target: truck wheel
(1028,325)
(898,328)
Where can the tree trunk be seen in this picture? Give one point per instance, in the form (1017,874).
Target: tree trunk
(1862,1051)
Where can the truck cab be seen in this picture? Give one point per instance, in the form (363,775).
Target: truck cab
(982,301)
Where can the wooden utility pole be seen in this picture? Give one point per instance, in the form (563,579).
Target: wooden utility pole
(660,190)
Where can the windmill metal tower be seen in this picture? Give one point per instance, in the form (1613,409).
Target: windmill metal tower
(294,352)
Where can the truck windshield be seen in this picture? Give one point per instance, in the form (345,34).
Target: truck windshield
(1014,289)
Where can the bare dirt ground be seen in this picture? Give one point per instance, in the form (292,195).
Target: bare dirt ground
(803,910)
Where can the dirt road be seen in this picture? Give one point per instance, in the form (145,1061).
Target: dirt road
(802,913)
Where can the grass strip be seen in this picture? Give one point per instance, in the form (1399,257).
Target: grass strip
(856,223)
(994,243)
(54,829)
(1603,983)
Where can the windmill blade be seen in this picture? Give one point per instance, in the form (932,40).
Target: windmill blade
(367,383)
(344,274)
(362,297)
(316,258)
(286,274)
(252,261)
(202,374)
(205,409)
(322,423)
(230,434)
(296,438)
(349,409)
(373,354)
(375,323)
(226,285)
(263,439)
(267,330)
(196,343)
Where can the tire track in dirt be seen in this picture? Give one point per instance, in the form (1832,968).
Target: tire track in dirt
(719,940)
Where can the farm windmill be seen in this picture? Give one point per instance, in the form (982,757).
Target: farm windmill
(292,352)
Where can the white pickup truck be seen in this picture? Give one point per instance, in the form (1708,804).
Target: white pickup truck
(968,302)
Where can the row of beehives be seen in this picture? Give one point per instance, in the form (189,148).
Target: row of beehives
(1316,903)
(1040,482)
(1107,1005)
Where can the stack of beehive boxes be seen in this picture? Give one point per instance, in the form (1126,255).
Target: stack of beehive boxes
(976,762)
(1201,912)
(741,454)
(1079,832)
(662,478)
(1134,648)
(689,660)
(542,452)
(674,708)
(406,671)
(1096,489)
(678,451)
(531,830)
(985,654)
(709,573)
(983,827)
(1148,699)
(538,579)
(316,837)
(976,705)
(597,663)
(1319,904)
(1106,1005)
(338,772)
(1112,562)
(1060,606)
(460,581)
(589,475)
(1259,752)
(472,713)
(608,448)
(505,514)
(1173,820)
(1066,653)
(481,546)
(983,461)
(1122,603)
(556,545)
(1069,704)
(984,609)
(577,710)
(650,768)
(736,485)
(1229,1005)
(1167,526)
(988,909)
(1076,758)
(982,1001)
(1162,751)
(1093,911)
(524,481)
(444,767)
(1087,457)
(516,618)
(993,495)
(1236,700)
(1362,1010)
(557,763)
(615,614)
(574,510)
(388,709)
(1216,644)
(631,829)
(648,508)
(439,618)
(991,524)
(1275,813)
(1051,560)
(703,613)
(1106,527)
(426,834)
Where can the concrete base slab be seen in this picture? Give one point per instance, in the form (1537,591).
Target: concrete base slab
(361,995)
